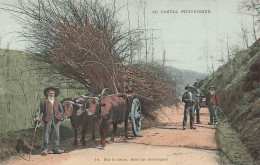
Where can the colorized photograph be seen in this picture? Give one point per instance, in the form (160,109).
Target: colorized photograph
(129,82)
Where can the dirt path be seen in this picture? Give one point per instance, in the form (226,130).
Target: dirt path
(162,145)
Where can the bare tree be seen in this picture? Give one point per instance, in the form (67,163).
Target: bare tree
(245,35)
(229,55)
(206,54)
(7,46)
(254,29)
(0,40)
(145,31)
(212,65)
(222,59)
(252,8)
(228,50)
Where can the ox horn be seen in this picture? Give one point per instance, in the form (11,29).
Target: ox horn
(90,97)
(84,96)
(69,102)
(94,98)
(102,93)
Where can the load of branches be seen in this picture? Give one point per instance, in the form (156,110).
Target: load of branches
(82,52)
(152,85)
(84,41)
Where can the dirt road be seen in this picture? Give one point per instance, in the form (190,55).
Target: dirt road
(166,144)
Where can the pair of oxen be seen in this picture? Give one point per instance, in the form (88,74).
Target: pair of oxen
(86,111)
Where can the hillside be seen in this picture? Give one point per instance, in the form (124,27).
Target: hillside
(21,89)
(238,83)
(184,77)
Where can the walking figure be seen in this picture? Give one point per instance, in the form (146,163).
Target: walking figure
(189,99)
(212,101)
(199,94)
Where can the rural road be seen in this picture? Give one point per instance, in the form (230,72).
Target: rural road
(166,144)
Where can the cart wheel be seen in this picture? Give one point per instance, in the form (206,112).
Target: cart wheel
(136,117)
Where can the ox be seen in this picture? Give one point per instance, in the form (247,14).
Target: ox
(112,109)
(74,109)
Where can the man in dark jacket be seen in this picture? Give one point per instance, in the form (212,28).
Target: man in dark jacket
(52,113)
(199,94)
(189,99)
(212,101)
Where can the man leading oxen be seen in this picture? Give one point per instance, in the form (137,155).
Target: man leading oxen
(51,111)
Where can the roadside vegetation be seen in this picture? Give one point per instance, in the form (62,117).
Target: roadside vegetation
(238,83)
(20,142)
(232,149)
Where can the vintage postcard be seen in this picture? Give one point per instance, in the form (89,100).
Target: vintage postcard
(129,82)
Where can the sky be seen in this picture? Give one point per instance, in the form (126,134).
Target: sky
(191,40)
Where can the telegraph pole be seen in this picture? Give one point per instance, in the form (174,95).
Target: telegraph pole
(164,58)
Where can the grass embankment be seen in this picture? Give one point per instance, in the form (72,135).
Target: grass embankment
(232,149)
(238,83)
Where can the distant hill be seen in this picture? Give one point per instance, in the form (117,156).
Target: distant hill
(184,77)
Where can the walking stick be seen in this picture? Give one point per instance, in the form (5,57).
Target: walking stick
(33,138)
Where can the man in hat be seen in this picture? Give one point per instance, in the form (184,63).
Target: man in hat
(189,99)
(212,101)
(198,95)
(52,113)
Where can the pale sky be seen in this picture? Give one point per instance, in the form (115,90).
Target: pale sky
(186,37)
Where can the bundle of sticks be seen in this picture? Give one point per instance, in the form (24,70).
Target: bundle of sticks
(82,51)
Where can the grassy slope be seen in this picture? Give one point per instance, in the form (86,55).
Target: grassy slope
(239,92)
(21,89)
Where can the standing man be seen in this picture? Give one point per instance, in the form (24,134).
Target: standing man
(212,101)
(197,92)
(189,99)
(52,111)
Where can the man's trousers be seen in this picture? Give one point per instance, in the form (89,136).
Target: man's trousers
(53,125)
(188,111)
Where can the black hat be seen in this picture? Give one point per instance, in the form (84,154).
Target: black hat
(57,92)
(212,86)
(188,86)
